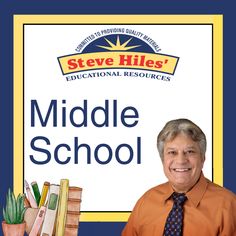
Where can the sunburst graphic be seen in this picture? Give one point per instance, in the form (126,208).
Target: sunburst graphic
(118,46)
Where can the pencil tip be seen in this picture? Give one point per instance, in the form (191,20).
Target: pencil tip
(26,184)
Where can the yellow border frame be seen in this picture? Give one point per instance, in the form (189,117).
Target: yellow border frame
(215,20)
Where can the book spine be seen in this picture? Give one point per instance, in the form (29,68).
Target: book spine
(75,192)
(38,221)
(44,193)
(73,211)
(71,230)
(62,207)
(51,211)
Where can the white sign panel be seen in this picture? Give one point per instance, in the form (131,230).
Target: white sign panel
(96,96)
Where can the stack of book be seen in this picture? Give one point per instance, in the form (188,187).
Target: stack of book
(73,211)
(55,211)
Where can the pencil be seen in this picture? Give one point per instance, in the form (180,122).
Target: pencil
(36,191)
(44,193)
(30,196)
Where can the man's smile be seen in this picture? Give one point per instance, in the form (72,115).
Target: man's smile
(181,169)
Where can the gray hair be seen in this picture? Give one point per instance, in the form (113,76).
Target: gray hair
(185,126)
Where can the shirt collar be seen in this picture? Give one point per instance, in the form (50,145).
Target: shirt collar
(194,195)
(168,191)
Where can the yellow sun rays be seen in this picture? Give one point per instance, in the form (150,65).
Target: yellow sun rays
(118,46)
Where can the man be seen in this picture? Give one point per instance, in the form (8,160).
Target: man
(188,204)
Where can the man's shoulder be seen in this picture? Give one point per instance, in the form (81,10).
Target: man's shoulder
(161,190)
(219,191)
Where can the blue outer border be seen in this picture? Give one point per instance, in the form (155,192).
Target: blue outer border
(10,7)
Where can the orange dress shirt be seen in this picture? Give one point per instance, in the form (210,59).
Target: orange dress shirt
(209,210)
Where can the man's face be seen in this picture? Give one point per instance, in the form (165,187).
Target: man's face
(182,162)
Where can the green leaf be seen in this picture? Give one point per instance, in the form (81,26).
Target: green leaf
(22,216)
(14,207)
(14,210)
(18,208)
(5,216)
(22,199)
(9,207)
(4,213)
